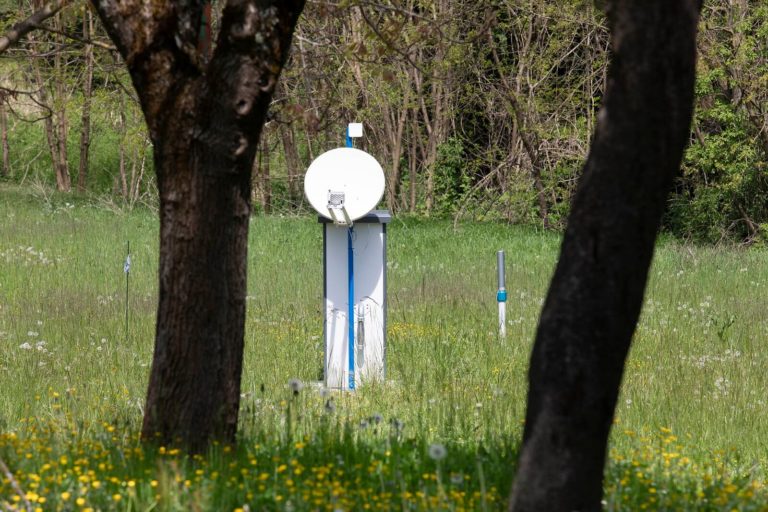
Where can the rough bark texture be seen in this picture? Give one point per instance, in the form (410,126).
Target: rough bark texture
(597,291)
(204,119)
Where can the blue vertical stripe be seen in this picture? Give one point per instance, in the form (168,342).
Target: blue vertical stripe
(351,314)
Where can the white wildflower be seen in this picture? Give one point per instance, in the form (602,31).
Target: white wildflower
(295,385)
(437,451)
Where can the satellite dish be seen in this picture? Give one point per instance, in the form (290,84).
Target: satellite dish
(344,184)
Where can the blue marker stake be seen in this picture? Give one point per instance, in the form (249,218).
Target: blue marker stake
(501,295)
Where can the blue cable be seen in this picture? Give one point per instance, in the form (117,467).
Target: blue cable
(350,143)
(351,314)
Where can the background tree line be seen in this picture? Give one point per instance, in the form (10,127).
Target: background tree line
(479,110)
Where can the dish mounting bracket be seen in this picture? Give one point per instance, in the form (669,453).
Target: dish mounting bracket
(336,206)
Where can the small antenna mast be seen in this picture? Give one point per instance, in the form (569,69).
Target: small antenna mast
(127,271)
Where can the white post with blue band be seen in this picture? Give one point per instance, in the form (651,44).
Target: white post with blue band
(501,294)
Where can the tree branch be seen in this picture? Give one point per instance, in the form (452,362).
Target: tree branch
(79,39)
(21,28)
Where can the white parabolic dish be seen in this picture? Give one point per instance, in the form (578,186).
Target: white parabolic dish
(351,171)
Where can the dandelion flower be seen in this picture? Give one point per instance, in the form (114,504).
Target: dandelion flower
(437,451)
(295,385)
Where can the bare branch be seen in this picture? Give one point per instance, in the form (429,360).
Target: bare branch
(21,28)
(79,39)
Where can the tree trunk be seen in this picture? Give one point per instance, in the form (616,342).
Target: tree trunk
(122,129)
(48,124)
(524,127)
(6,169)
(263,178)
(205,119)
(597,291)
(85,130)
(292,162)
(395,122)
(63,179)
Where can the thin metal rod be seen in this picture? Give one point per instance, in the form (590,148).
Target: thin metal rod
(500,265)
(501,294)
(351,313)
(127,269)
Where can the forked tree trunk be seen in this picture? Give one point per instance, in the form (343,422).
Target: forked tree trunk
(85,130)
(205,120)
(597,291)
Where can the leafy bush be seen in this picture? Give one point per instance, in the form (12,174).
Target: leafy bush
(720,194)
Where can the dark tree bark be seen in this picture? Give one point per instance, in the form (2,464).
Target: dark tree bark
(597,291)
(204,119)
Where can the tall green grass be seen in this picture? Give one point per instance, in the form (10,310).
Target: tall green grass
(690,420)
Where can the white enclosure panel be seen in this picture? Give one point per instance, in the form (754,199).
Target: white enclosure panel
(370,296)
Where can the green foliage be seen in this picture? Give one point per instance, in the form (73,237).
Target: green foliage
(720,195)
(452,177)
(724,180)
(695,372)
(451,95)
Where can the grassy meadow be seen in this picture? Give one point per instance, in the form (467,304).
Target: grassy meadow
(440,434)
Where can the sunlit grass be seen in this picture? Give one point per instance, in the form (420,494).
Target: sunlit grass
(72,379)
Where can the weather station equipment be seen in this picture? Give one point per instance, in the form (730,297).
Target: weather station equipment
(344,185)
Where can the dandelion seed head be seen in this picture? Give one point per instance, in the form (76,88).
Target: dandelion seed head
(437,451)
(295,385)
